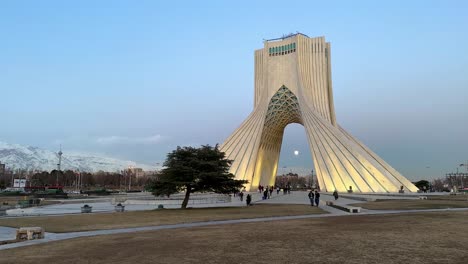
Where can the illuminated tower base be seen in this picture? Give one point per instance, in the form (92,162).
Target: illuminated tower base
(293,85)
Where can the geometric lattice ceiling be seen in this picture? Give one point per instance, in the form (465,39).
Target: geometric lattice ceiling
(283,109)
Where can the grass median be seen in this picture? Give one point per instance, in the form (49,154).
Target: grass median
(413,204)
(86,222)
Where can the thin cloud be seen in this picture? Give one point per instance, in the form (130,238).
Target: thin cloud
(118,140)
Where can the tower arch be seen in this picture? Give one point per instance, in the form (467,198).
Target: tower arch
(340,160)
(282,110)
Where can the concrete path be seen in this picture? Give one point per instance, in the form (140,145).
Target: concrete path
(57,237)
(103,206)
(301,197)
(7,233)
(293,198)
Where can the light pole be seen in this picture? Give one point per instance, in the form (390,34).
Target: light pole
(311,183)
(78,178)
(81,180)
(463,176)
(12,177)
(130,181)
(120,180)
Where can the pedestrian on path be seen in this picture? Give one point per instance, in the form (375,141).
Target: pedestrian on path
(311,197)
(317,197)
(335,194)
(241,195)
(277,190)
(248,199)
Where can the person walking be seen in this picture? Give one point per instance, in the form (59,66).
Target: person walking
(311,197)
(317,197)
(335,194)
(248,199)
(277,190)
(241,195)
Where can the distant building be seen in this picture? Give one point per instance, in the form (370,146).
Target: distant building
(2,168)
(137,172)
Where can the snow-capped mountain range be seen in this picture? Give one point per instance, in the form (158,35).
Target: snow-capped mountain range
(33,158)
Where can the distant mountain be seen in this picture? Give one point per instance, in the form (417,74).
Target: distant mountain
(33,158)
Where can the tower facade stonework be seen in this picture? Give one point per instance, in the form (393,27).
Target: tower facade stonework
(293,85)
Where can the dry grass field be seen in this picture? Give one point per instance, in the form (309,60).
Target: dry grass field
(458,197)
(413,204)
(85,222)
(438,237)
(11,199)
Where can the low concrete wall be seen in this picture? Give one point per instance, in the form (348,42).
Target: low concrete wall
(178,201)
(346,208)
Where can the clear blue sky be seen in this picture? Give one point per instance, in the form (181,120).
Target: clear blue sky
(134,79)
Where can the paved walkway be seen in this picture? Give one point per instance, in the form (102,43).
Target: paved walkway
(7,233)
(293,198)
(105,205)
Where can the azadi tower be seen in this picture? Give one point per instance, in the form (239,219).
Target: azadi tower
(293,84)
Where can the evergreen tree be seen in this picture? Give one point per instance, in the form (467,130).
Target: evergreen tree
(189,169)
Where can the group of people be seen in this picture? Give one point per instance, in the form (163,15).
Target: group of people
(240,194)
(314,197)
(248,199)
(267,192)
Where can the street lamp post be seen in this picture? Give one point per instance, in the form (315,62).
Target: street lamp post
(130,181)
(463,176)
(311,183)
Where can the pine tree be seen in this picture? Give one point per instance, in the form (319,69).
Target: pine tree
(191,170)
